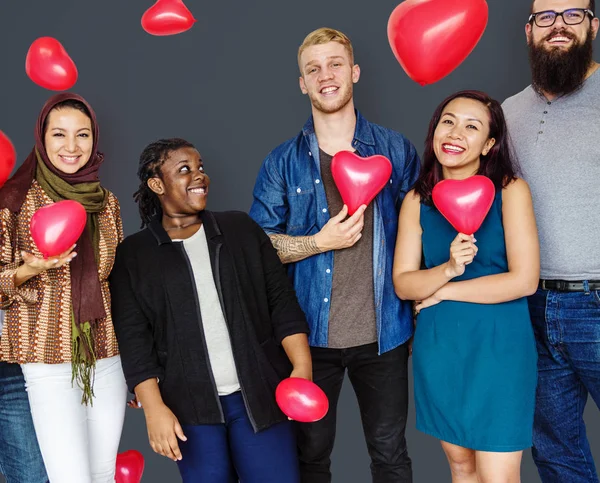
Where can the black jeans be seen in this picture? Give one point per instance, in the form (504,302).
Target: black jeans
(380,383)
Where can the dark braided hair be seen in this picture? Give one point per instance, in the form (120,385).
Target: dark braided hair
(152,158)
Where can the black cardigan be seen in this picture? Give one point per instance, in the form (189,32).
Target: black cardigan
(157,317)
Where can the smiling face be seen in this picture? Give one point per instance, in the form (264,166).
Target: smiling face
(561,36)
(462,137)
(68,139)
(561,55)
(328,75)
(182,187)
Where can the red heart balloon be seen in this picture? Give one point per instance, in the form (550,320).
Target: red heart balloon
(301,400)
(48,65)
(359,179)
(464,203)
(56,227)
(130,467)
(8,157)
(430,38)
(167,17)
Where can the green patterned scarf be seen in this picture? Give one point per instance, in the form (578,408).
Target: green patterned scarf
(87,301)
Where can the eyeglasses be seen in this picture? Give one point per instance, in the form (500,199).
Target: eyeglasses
(573,16)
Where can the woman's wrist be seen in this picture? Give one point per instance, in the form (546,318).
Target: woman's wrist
(442,293)
(303,370)
(24,273)
(304,365)
(448,272)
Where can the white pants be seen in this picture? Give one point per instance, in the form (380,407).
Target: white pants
(79,443)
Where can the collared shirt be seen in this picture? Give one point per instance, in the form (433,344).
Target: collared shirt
(289,198)
(37,325)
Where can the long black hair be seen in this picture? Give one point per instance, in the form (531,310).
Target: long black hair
(498,164)
(152,158)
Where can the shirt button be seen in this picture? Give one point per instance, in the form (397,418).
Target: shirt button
(298,190)
(324,210)
(325,300)
(309,153)
(317,181)
(391,181)
(541,132)
(541,122)
(328,271)
(549,103)
(545,112)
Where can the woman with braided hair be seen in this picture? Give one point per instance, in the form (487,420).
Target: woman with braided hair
(208,325)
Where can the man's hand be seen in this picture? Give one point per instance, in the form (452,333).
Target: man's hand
(339,233)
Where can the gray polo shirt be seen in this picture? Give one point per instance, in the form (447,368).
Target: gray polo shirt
(557,145)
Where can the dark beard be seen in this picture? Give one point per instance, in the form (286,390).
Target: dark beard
(560,72)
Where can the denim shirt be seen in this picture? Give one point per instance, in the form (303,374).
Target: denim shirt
(289,198)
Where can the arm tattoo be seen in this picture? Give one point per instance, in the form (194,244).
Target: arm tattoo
(294,248)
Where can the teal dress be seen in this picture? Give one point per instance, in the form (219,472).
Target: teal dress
(474,365)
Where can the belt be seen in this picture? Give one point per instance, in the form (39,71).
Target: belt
(569,286)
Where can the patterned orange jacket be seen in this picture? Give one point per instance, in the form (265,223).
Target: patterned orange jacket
(37,326)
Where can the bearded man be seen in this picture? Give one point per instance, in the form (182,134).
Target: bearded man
(555,128)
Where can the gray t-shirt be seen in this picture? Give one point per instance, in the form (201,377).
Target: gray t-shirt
(213,322)
(352,320)
(557,145)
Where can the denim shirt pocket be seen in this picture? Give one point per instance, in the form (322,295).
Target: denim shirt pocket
(302,210)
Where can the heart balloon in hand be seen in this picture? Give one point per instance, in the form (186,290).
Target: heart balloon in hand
(464,203)
(301,400)
(56,227)
(167,17)
(359,179)
(430,38)
(8,157)
(130,467)
(48,65)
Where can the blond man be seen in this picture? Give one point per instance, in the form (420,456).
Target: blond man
(341,265)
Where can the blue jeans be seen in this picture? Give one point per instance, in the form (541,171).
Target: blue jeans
(20,457)
(567,331)
(222,453)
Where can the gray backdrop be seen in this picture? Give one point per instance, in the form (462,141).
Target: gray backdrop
(230,86)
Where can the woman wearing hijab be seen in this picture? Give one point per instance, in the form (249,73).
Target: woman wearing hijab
(58,325)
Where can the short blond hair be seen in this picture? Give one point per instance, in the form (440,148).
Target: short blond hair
(325,35)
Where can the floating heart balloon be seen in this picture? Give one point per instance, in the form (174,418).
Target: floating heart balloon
(301,400)
(48,65)
(167,17)
(8,157)
(359,179)
(430,38)
(464,203)
(130,467)
(56,227)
